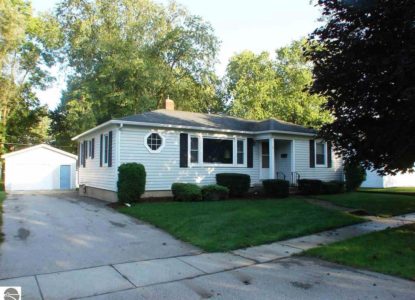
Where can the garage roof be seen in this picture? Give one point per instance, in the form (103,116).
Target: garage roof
(37,147)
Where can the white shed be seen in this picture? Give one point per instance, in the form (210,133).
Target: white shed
(374,180)
(40,167)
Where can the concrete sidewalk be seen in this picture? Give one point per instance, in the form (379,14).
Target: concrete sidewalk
(265,271)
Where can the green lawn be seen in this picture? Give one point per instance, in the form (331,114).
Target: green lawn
(227,225)
(374,203)
(391,251)
(2,197)
(392,190)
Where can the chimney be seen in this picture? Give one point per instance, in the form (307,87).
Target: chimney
(169,104)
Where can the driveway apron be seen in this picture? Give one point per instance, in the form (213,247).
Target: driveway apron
(47,233)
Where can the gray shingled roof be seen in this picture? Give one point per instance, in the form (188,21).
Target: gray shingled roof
(212,121)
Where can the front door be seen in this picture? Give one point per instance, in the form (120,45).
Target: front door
(264,171)
(65,177)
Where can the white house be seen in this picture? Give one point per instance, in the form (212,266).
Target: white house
(374,180)
(179,146)
(40,167)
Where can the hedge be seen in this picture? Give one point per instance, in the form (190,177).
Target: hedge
(186,192)
(238,184)
(131,182)
(276,187)
(214,192)
(355,174)
(333,187)
(310,186)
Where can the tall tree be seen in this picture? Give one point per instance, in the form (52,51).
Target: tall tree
(364,60)
(127,56)
(26,47)
(259,87)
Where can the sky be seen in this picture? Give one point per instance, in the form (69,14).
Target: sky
(260,25)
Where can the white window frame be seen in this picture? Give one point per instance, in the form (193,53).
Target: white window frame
(244,149)
(234,140)
(325,154)
(163,142)
(89,143)
(199,146)
(105,149)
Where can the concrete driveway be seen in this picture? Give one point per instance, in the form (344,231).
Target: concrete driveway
(47,233)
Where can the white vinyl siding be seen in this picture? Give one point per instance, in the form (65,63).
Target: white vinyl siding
(163,168)
(93,175)
(302,164)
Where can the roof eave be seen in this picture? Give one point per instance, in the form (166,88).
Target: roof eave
(160,125)
(170,126)
(96,128)
(39,146)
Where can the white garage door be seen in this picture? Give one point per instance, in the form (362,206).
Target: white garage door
(32,177)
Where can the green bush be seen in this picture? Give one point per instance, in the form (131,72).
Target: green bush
(131,182)
(355,174)
(186,192)
(333,187)
(214,192)
(238,184)
(276,187)
(310,186)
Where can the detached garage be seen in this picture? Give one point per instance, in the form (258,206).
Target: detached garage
(41,167)
(374,180)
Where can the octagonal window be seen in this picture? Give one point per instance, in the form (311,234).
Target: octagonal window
(154,142)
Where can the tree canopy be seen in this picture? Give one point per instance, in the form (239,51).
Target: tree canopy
(26,52)
(127,56)
(364,63)
(260,87)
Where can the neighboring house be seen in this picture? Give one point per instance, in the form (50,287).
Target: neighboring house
(40,167)
(179,146)
(374,180)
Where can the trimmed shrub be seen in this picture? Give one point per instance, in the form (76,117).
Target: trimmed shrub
(355,174)
(238,184)
(333,187)
(131,182)
(276,187)
(186,192)
(310,186)
(214,192)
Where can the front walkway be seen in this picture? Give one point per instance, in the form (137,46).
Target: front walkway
(262,272)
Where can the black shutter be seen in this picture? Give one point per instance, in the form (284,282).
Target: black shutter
(184,148)
(93,148)
(312,154)
(100,150)
(85,152)
(329,163)
(79,155)
(110,149)
(250,153)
